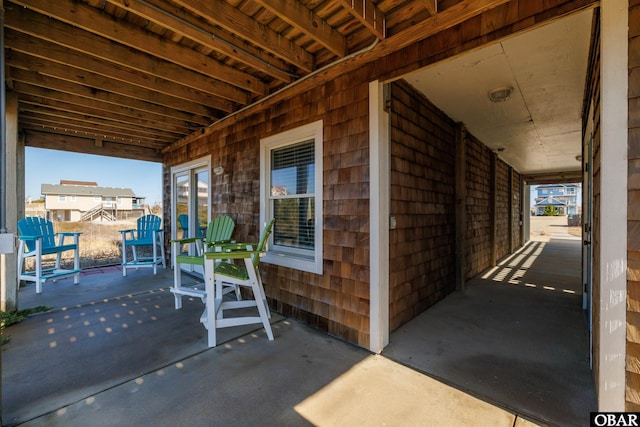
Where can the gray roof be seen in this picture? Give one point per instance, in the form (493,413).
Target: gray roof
(86,190)
(550,201)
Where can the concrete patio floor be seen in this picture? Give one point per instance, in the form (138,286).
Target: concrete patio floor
(113,351)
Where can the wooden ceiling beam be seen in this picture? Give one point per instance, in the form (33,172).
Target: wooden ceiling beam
(298,16)
(368,14)
(30,22)
(96,81)
(231,19)
(107,100)
(87,145)
(90,19)
(104,130)
(213,38)
(35,103)
(42,49)
(431,6)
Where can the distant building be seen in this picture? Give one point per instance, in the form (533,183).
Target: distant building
(561,197)
(86,201)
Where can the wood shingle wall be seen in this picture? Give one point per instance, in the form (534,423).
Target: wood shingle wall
(422,246)
(337,301)
(502,208)
(479,206)
(633,214)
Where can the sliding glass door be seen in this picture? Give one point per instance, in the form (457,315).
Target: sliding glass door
(190,206)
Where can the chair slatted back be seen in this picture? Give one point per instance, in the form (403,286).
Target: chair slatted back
(263,240)
(36,226)
(147,225)
(220,229)
(183,220)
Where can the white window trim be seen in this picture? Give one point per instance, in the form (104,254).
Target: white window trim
(310,131)
(62,198)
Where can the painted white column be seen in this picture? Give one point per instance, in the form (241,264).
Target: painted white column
(379,222)
(526,213)
(9,261)
(613,222)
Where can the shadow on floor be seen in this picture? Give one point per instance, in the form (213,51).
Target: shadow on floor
(516,336)
(114,351)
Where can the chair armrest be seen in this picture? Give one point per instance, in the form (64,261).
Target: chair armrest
(127,230)
(219,243)
(35,236)
(232,254)
(69,233)
(187,240)
(234,246)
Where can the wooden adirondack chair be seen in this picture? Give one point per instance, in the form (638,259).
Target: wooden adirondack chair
(38,239)
(149,232)
(219,231)
(219,273)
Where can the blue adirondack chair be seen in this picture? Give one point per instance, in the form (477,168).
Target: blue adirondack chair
(183,220)
(149,233)
(38,239)
(219,231)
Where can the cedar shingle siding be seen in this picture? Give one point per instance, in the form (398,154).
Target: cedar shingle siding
(422,247)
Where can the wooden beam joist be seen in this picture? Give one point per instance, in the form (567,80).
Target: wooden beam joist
(93,80)
(69,111)
(42,49)
(90,19)
(85,95)
(431,6)
(55,100)
(87,145)
(368,14)
(231,19)
(32,23)
(207,35)
(85,126)
(298,16)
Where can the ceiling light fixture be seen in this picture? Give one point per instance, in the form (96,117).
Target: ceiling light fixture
(500,94)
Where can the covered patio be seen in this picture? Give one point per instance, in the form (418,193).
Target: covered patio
(115,351)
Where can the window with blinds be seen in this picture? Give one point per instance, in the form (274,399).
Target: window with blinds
(292,195)
(291,170)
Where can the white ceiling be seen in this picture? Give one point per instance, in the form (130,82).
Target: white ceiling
(539,126)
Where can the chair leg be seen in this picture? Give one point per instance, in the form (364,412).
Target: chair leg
(164,262)
(177,277)
(38,266)
(262,309)
(124,257)
(155,254)
(210,303)
(76,262)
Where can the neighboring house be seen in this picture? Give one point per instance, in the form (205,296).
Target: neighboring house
(86,201)
(563,197)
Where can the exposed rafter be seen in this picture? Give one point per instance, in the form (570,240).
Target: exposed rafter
(368,14)
(296,15)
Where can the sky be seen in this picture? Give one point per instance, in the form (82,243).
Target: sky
(51,166)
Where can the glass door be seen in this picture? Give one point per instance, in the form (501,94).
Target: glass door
(190,205)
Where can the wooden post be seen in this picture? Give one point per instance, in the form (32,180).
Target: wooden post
(461,205)
(511,245)
(494,209)
(9,261)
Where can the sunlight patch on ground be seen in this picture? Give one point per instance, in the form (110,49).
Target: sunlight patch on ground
(388,393)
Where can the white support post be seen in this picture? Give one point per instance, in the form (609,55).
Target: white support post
(610,381)
(379,213)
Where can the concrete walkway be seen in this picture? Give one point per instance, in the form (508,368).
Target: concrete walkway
(113,351)
(517,336)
